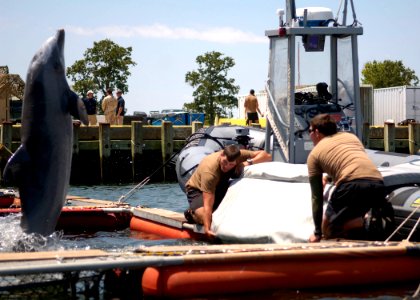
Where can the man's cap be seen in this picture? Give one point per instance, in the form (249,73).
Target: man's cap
(119,91)
(89,92)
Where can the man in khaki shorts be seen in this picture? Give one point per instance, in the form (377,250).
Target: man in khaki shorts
(109,106)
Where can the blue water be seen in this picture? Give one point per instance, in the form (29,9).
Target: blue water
(166,196)
(170,196)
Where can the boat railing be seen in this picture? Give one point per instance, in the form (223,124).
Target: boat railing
(277,113)
(274,117)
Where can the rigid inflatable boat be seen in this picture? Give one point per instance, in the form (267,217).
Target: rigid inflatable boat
(272,200)
(212,139)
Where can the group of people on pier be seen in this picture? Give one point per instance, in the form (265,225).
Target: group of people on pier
(113,107)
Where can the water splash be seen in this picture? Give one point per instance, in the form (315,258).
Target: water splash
(14,239)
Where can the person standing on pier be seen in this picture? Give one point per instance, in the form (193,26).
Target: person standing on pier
(91,105)
(252,108)
(120,111)
(359,184)
(109,105)
(209,182)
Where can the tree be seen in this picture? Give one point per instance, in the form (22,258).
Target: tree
(105,65)
(214,93)
(388,73)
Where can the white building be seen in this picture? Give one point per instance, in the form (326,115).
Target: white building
(397,103)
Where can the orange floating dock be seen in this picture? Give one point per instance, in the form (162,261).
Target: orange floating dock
(164,223)
(253,268)
(81,214)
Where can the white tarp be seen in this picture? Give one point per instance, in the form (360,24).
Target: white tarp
(271,202)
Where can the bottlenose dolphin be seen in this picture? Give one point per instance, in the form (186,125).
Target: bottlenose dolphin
(41,166)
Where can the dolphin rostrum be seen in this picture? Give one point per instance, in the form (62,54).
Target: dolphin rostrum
(41,166)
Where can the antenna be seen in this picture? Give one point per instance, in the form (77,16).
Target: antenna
(280,13)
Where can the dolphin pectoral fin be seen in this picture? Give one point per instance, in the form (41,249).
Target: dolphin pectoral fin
(13,171)
(77,108)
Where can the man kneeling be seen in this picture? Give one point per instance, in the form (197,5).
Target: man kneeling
(210,181)
(359,184)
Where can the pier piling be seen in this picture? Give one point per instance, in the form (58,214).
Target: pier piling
(105,151)
(136,148)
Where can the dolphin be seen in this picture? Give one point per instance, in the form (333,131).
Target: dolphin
(41,166)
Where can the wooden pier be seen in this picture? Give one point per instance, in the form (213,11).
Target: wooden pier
(391,138)
(117,154)
(113,154)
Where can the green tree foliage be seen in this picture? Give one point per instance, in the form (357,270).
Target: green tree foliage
(387,74)
(214,92)
(104,65)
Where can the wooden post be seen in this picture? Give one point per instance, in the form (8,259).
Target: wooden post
(6,135)
(76,126)
(5,145)
(195,126)
(389,137)
(105,150)
(76,168)
(136,147)
(366,135)
(167,140)
(414,137)
(216,120)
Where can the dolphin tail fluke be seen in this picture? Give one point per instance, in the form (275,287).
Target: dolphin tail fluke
(13,171)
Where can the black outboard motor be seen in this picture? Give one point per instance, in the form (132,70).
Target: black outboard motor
(242,138)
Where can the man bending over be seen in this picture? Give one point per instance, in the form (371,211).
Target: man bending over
(210,181)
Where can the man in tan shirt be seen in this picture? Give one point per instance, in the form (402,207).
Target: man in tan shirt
(109,106)
(251,108)
(359,184)
(210,181)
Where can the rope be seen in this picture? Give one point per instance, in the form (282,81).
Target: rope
(147,179)
(416,293)
(338,11)
(193,137)
(190,139)
(402,224)
(414,229)
(131,192)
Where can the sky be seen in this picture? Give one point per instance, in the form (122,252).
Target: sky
(168,35)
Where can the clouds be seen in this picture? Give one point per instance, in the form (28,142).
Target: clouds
(224,35)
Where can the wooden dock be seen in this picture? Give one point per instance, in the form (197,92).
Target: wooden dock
(114,154)
(130,153)
(192,271)
(391,138)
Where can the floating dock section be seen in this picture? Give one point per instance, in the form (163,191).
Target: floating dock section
(199,271)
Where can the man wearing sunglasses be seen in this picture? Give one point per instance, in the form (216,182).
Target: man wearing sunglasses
(359,184)
(210,181)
